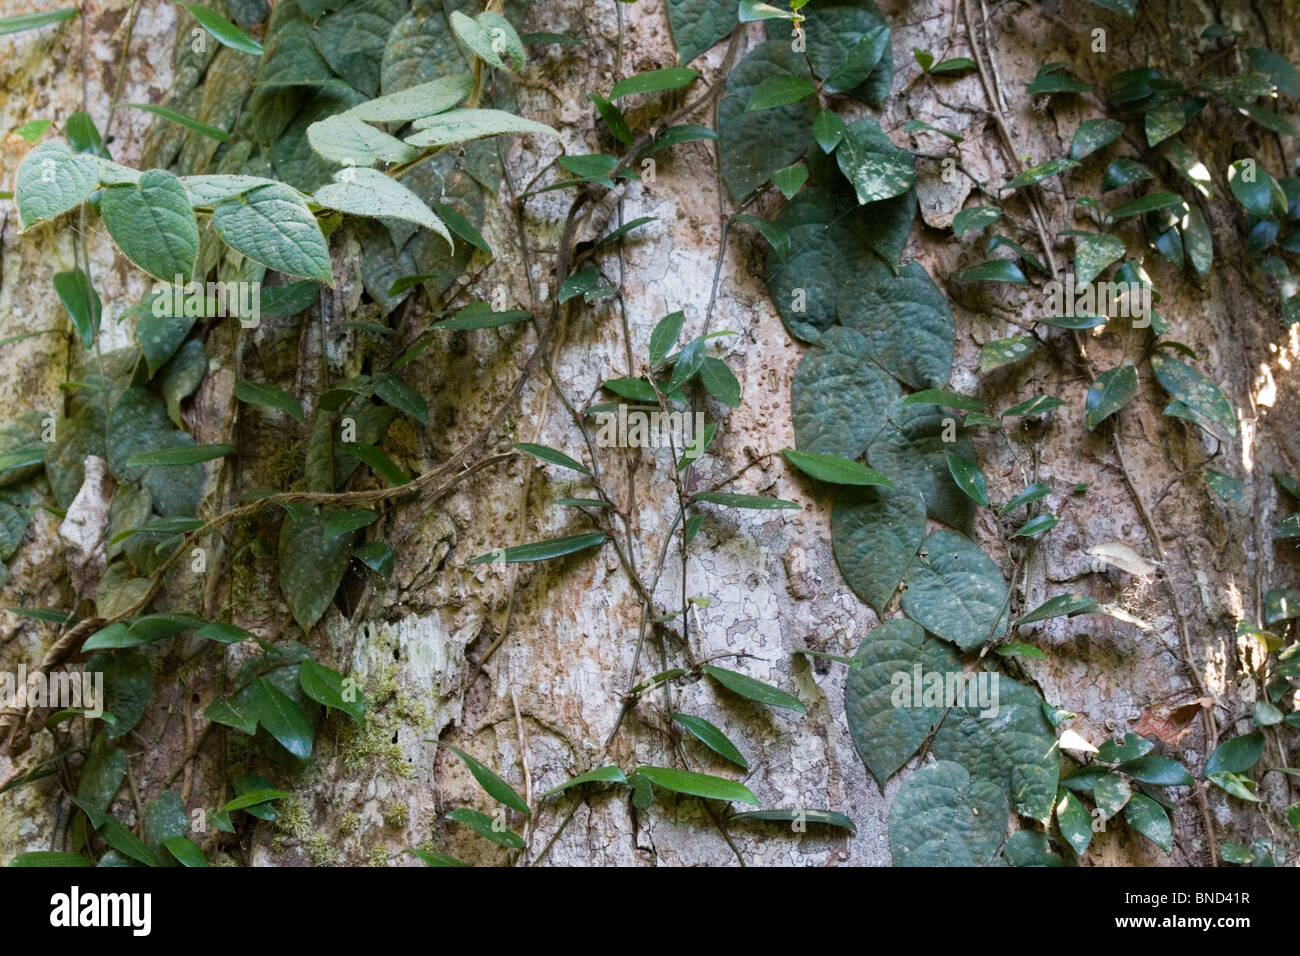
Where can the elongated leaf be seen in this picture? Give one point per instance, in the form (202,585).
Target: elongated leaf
(282,718)
(497,788)
(1113,389)
(830,818)
(1193,389)
(1236,755)
(485,826)
(416,102)
(712,737)
(654,81)
(835,470)
(225,32)
(82,302)
(599,775)
(1063,605)
(167,113)
(752,689)
(969,479)
(542,550)
(698,784)
(180,455)
(34,21)
(257,393)
(553,456)
(759,502)
(463,125)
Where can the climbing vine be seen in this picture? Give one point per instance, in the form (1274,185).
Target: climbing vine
(386,126)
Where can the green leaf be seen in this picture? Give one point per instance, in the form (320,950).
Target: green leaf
(257,393)
(1123,172)
(416,102)
(127,843)
(835,470)
(720,382)
(1039,524)
(829,130)
(489,37)
(496,788)
(913,445)
(1036,174)
(712,737)
(1164,120)
(1257,191)
(311,565)
(994,270)
(233,712)
(1131,748)
(1232,490)
(1017,750)
(1074,820)
(434,859)
(830,818)
(1093,252)
(138,424)
(479,315)
(974,218)
(368,192)
(179,455)
(377,556)
(225,32)
(1150,819)
(759,502)
(1063,605)
(17,24)
(698,784)
(873,164)
(464,125)
(1092,135)
(875,536)
(888,714)
(1160,771)
(379,462)
(1034,406)
(345,522)
(654,81)
(553,456)
(542,550)
(755,144)
(943,817)
(956,591)
(181,119)
(1001,352)
(599,775)
(1236,755)
(1145,204)
(698,25)
(225,633)
(833,393)
(153,224)
(1114,389)
(1193,389)
(676,135)
(779,90)
(46,858)
(51,180)
(1234,784)
(613,118)
(282,718)
(485,826)
(272,225)
(1277,69)
(588,283)
(906,322)
(345,139)
(790,180)
(1020,650)
(954,65)
(82,302)
(969,479)
(752,689)
(185,850)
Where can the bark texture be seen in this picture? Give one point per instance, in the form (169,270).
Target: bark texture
(546,700)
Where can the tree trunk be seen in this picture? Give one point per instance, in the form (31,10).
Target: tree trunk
(526,666)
